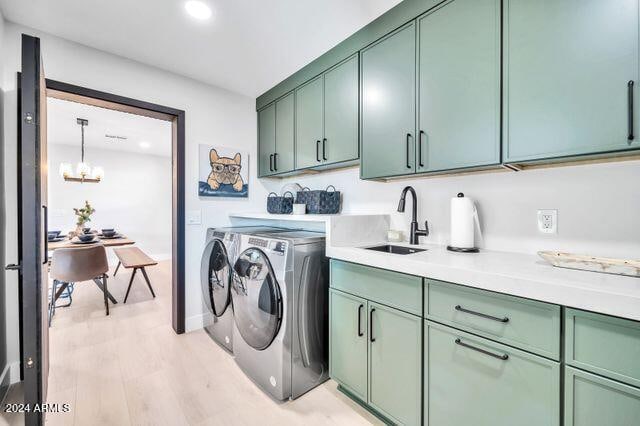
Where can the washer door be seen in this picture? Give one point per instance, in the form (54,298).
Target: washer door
(216,277)
(257,300)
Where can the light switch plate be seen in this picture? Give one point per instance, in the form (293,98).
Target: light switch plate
(548,221)
(194,217)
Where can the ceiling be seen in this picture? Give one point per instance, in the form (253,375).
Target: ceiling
(247,46)
(144,135)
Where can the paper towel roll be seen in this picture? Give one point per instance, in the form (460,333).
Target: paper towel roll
(463,217)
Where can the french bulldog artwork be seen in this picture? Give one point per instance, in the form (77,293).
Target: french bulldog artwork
(226,172)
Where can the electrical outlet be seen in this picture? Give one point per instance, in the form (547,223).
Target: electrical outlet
(548,221)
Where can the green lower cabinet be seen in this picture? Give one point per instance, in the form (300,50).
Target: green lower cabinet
(470,380)
(592,400)
(348,342)
(395,361)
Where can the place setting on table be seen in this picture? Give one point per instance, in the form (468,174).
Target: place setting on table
(107,236)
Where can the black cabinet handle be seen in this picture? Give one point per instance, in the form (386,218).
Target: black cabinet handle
(408,141)
(480,314)
(318,151)
(275,162)
(503,357)
(420,149)
(324,149)
(360,333)
(630,109)
(46,235)
(271,163)
(371,338)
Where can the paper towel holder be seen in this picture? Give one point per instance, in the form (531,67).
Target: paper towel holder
(463,249)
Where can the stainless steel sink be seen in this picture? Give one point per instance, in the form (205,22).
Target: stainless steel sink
(388,248)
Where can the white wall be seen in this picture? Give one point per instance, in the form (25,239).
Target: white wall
(134,197)
(598,205)
(213,116)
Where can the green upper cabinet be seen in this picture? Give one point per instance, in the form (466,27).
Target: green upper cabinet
(266,139)
(459,86)
(567,68)
(388,105)
(340,141)
(284,153)
(309,124)
(395,364)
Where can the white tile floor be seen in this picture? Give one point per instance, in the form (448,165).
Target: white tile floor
(131,368)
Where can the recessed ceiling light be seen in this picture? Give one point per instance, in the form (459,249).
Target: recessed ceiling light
(144,145)
(198,9)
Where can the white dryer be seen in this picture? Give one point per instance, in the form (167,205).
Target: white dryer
(281,312)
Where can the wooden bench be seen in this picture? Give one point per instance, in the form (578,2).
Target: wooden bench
(133,257)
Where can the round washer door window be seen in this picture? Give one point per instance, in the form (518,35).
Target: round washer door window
(257,300)
(217,281)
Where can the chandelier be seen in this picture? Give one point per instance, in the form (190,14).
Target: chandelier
(84,173)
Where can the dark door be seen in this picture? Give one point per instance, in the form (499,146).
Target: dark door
(216,278)
(257,300)
(32,234)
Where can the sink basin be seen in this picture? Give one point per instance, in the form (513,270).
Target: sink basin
(387,248)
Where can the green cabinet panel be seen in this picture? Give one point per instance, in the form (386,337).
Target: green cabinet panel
(467,382)
(395,364)
(348,342)
(592,400)
(459,86)
(394,289)
(309,124)
(566,68)
(388,105)
(604,345)
(266,139)
(341,112)
(527,324)
(284,152)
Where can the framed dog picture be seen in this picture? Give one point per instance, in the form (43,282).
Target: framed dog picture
(223,172)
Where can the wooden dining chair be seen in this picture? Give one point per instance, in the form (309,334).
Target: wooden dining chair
(71,265)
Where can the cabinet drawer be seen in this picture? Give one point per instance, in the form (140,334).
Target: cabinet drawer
(604,345)
(526,324)
(394,289)
(470,380)
(592,400)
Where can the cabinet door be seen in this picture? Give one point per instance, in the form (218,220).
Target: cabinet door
(592,400)
(459,86)
(388,105)
(348,342)
(266,139)
(474,381)
(567,67)
(309,124)
(284,152)
(395,364)
(341,112)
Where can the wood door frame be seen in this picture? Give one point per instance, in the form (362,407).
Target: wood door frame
(70,92)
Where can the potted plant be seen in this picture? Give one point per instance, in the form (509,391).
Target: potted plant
(84,216)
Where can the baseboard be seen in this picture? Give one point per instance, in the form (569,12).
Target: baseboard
(197,322)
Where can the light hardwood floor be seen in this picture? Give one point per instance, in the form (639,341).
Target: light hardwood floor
(131,368)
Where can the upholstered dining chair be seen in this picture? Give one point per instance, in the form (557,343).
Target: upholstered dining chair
(71,265)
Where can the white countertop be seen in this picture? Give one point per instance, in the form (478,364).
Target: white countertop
(511,273)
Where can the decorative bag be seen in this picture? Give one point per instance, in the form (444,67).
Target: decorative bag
(302,196)
(322,201)
(280,205)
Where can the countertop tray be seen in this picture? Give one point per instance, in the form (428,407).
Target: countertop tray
(591,263)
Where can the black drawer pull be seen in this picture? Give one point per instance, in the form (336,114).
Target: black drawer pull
(480,314)
(408,142)
(360,333)
(371,338)
(318,151)
(275,162)
(503,357)
(420,162)
(630,109)
(324,149)
(271,163)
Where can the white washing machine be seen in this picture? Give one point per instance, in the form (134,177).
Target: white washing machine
(280,300)
(216,272)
